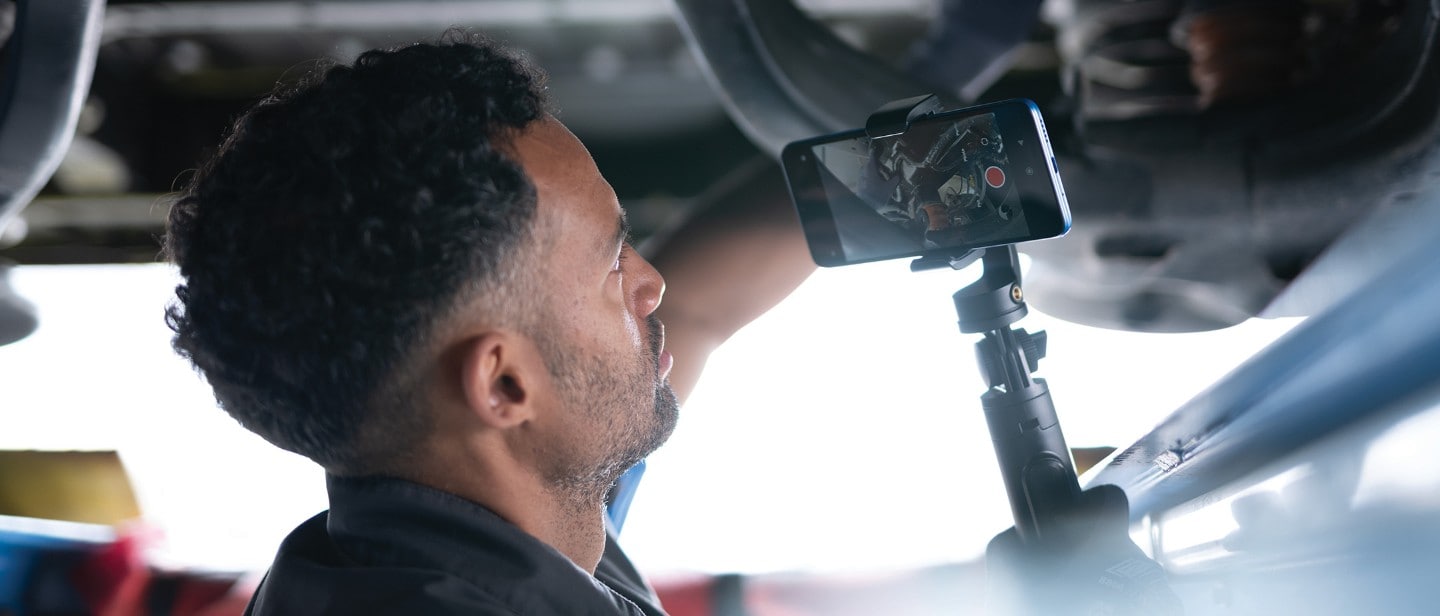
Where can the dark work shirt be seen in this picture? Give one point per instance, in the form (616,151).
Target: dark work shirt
(393,547)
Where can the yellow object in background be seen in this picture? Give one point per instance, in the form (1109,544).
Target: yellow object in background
(76,486)
(1087,457)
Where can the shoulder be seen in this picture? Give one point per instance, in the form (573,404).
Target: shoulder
(389,570)
(311,576)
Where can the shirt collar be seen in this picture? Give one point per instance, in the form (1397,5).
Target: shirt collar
(381,521)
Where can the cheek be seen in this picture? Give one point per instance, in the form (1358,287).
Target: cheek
(602,320)
(632,329)
(614,294)
(616,304)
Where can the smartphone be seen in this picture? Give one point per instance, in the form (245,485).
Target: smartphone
(954,181)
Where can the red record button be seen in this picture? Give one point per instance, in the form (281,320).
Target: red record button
(995,177)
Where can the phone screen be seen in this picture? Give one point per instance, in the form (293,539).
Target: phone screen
(981,176)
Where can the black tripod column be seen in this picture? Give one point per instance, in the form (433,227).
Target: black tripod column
(1034,460)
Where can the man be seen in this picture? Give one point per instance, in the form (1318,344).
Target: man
(409,272)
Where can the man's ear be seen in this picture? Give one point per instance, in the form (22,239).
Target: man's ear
(497,378)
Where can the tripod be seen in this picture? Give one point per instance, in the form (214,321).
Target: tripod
(1069,551)
(1034,460)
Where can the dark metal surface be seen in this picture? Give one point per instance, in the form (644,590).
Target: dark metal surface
(783,76)
(971,44)
(1194,207)
(1191,218)
(17,316)
(1185,218)
(48,64)
(48,61)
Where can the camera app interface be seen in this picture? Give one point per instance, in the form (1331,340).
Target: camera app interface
(938,185)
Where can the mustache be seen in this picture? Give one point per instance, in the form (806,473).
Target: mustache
(657,337)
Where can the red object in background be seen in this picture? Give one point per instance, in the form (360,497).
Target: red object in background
(995,177)
(956,588)
(703,595)
(116,581)
(193,594)
(686,596)
(113,580)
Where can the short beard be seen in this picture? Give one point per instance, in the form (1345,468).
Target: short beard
(610,396)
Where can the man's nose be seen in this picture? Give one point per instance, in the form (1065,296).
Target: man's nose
(648,286)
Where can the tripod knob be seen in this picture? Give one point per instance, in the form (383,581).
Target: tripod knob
(1034,347)
(992,355)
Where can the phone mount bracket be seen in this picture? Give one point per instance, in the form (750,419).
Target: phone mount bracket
(1034,460)
(894,118)
(956,261)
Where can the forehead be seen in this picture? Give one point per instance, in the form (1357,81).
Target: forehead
(562,170)
(572,195)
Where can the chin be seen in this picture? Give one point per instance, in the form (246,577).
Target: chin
(667,414)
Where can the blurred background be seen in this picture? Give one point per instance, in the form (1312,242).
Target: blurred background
(1241,173)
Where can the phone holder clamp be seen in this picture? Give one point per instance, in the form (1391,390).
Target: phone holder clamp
(894,118)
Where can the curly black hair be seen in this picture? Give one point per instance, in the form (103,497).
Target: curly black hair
(339,223)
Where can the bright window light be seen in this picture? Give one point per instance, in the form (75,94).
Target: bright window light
(840,432)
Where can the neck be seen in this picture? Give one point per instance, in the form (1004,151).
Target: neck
(573,525)
(576,531)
